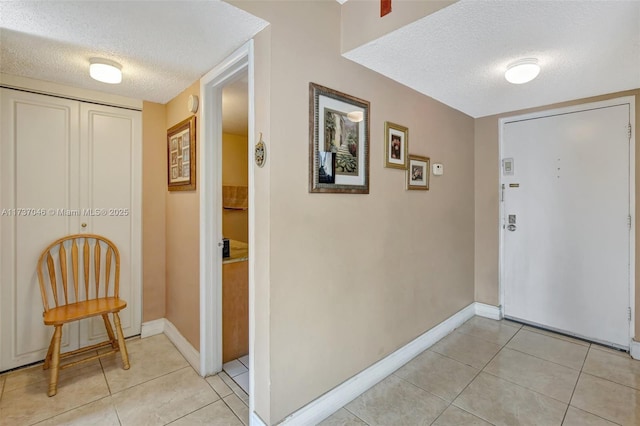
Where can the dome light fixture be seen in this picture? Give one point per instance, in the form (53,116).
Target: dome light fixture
(522,71)
(105,70)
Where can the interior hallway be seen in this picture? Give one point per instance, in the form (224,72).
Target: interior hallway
(485,372)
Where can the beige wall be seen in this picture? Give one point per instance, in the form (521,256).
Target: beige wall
(235,172)
(154,189)
(487,181)
(351,278)
(182,239)
(361,22)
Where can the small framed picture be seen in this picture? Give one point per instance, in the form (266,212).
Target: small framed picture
(396,145)
(418,173)
(182,143)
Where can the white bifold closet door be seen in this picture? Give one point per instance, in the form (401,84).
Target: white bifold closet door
(68,159)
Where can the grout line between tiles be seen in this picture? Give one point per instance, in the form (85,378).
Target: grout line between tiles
(349,411)
(584,361)
(476,376)
(544,359)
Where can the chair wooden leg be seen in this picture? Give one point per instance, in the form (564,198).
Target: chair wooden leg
(47,360)
(107,325)
(55,361)
(123,347)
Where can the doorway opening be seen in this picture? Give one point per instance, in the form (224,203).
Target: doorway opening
(238,70)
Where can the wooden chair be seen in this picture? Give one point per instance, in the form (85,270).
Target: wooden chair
(79,278)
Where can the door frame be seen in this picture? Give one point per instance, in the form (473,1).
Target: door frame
(210,184)
(630,100)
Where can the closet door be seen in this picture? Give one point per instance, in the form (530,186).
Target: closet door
(66,167)
(111,186)
(39,169)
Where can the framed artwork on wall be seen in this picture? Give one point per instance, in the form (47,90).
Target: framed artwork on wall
(338,142)
(418,173)
(396,145)
(181,143)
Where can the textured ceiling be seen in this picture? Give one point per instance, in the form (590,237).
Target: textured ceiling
(163,46)
(458,55)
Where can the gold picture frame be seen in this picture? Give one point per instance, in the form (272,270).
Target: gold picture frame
(181,148)
(396,146)
(338,142)
(418,173)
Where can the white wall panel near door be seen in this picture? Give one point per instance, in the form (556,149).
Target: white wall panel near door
(59,156)
(566,264)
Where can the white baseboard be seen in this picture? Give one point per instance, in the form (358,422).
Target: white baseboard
(634,349)
(488,311)
(185,348)
(327,404)
(255,420)
(151,328)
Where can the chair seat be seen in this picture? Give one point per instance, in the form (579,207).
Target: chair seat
(81,310)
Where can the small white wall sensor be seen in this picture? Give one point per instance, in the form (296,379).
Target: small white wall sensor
(438,169)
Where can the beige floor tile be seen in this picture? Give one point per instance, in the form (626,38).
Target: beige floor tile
(235,388)
(611,401)
(497,332)
(394,401)
(454,416)
(238,407)
(32,375)
(504,403)
(342,417)
(467,349)
(30,404)
(556,335)
(576,417)
(219,386)
(164,399)
(620,369)
(546,347)
(533,373)
(216,414)
(437,374)
(610,350)
(149,358)
(98,413)
(511,323)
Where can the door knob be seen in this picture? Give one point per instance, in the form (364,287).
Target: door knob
(511,227)
(84,225)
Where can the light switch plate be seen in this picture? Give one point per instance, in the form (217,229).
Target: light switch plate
(438,169)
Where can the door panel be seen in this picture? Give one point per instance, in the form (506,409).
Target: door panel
(113,137)
(566,265)
(39,146)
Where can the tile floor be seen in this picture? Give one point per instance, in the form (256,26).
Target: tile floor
(501,373)
(238,370)
(160,388)
(485,372)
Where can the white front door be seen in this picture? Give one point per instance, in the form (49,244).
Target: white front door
(566,229)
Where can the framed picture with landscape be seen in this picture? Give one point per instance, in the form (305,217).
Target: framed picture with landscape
(418,173)
(181,142)
(338,142)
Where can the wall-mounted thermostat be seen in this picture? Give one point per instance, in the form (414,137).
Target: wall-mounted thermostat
(438,169)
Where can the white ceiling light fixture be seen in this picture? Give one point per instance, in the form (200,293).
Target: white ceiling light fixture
(522,71)
(105,70)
